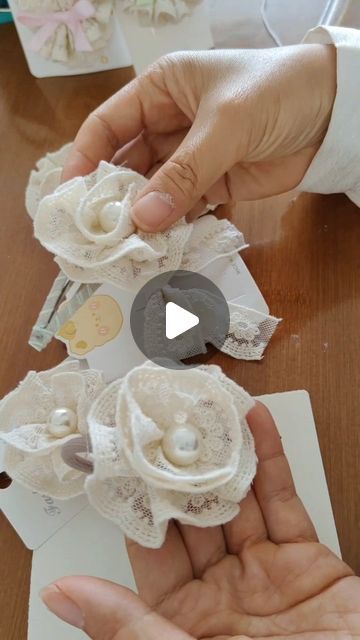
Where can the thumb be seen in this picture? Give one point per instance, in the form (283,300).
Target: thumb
(197,164)
(106,611)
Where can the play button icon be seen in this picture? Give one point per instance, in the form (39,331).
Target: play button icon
(178,320)
(177,316)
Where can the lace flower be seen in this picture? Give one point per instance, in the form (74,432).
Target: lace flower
(67,30)
(45,178)
(170,444)
(44,412)
(157,12)
(87,224)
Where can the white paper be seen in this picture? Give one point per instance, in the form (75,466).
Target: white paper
(236,283)
(146,44)
(37,517)
(90,545)
(293,415)
(114,55)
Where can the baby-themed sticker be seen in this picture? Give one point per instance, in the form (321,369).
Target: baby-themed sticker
(97,322)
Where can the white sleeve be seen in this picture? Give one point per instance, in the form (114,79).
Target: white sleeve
(336,166)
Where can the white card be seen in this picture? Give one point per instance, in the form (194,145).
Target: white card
(117,355)
(293,415)
(148,43)
(114,55)
(236,283)
(90,545)
(37,517)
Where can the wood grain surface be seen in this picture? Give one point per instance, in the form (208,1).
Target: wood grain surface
(304,255)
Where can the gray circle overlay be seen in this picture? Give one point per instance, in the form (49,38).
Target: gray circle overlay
(193,292)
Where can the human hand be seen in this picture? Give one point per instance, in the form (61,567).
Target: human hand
(212,127)
(263,575)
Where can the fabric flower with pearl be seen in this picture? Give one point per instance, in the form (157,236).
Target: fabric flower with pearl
(43,413)
(170,444)
(87,224)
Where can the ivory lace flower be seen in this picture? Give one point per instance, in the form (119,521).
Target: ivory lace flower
(87,224)
(170,444)
(45,178)
(44,412)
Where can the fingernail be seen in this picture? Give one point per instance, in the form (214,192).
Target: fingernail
(62,606)
(153,209)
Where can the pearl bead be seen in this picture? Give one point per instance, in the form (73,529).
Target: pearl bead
(181,444)
(109,216)
(62,422)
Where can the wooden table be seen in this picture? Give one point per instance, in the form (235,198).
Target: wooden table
(304,255)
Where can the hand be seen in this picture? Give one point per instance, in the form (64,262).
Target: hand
(212,127)
(264,575)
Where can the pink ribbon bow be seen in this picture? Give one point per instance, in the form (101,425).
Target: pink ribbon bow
(48,23)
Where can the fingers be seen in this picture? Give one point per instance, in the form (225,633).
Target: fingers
(182,181)
(205,547)
(159,572)
(106,611)
(247,528)
(284,514)
(109,127)
(143,153)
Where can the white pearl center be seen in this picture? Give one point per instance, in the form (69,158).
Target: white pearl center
(109,216)
(181,444)
(62,422)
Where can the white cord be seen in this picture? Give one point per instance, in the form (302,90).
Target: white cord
(273,35)
(332,13)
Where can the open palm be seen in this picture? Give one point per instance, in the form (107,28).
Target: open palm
(264,575)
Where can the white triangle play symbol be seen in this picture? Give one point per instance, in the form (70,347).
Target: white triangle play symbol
(178,320)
